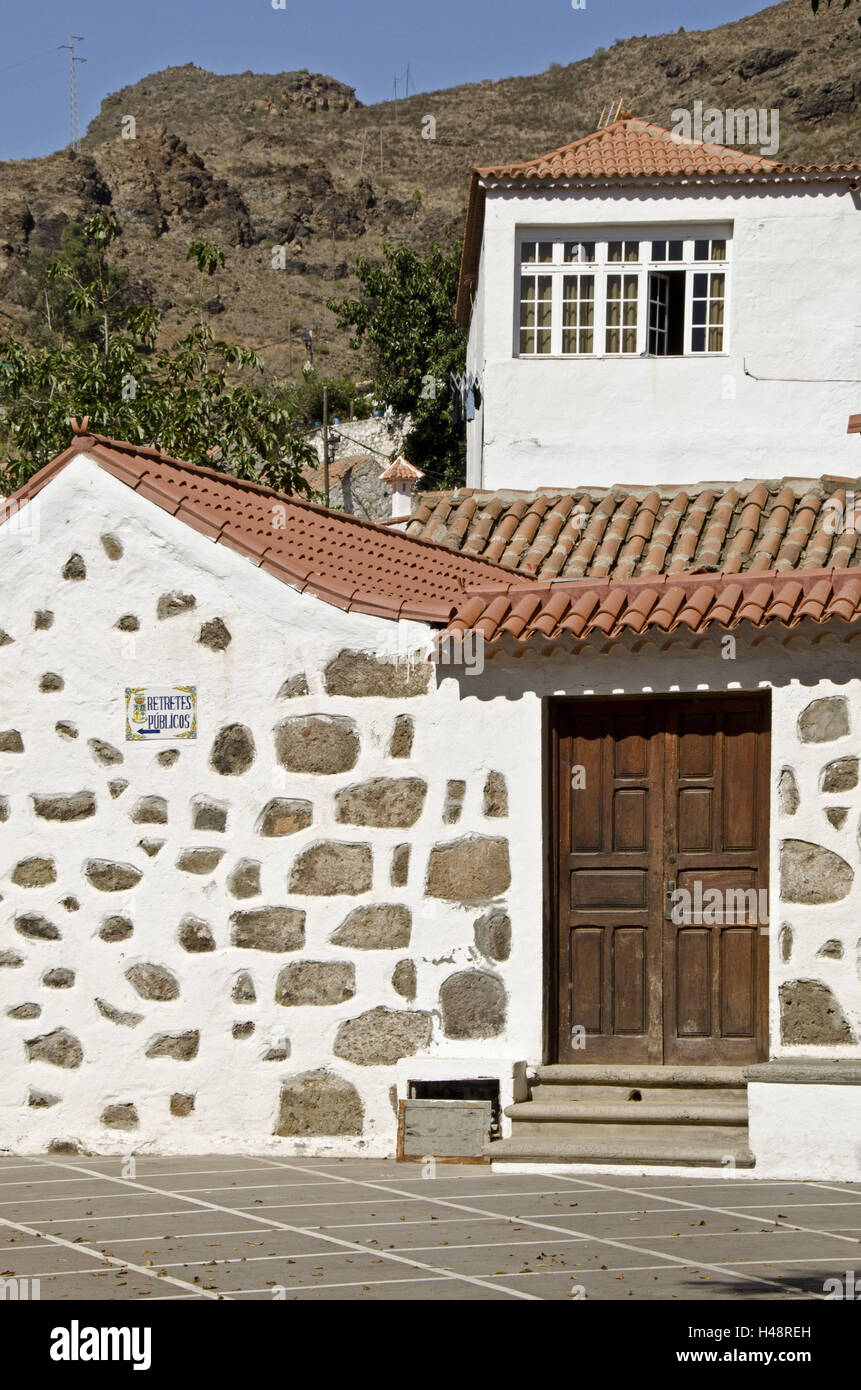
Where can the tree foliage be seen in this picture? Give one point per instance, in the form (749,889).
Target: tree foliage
(201,399)
(305,398)
(208,258)
(80,261)
(403,320)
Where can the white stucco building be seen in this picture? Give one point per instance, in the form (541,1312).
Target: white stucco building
(642,308)
(546,796)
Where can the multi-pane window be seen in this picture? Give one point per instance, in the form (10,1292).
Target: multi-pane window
(656,295)
(659,297)
(668,250)
(540,251)
(710,250)
(578,313)
(622,301)
(623,251)
(536,312)
(709,296)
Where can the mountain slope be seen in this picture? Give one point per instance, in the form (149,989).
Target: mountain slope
(293,159)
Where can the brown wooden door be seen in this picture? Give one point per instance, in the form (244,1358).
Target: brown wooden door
(657,799)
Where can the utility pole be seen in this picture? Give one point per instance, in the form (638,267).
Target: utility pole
(362,155)
(289,336)
(396,98)
(381,154)
(326,444)
(74,121)
(407,91)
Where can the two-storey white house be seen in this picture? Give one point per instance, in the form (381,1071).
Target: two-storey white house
(644,307)
(599,862)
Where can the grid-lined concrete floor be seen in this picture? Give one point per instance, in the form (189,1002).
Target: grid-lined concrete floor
(263,1228)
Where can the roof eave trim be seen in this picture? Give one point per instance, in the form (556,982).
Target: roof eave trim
(530,182)
(470,254)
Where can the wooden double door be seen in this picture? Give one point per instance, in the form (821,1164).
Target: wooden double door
(661,878)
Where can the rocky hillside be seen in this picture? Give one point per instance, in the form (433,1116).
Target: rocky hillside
(294,159)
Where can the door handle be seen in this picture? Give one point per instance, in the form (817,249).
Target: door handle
(669,894)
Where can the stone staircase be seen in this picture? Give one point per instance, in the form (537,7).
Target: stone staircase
(662,1116)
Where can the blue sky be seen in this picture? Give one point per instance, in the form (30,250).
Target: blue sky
(361,42)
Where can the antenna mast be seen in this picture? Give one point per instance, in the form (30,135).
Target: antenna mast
(74,121)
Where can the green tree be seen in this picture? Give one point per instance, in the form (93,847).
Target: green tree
(403,320)
(201,399)
(80,261)
(305,397)
(208,258)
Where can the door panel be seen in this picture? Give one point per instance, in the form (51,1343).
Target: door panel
(716,759)
(609,882)
(654,796)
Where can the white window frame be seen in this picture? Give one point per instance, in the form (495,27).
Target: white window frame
(601,267)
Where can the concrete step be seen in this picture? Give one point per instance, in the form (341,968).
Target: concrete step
(695,1148)
(650,1115)
(723,1139)
(644,1113)
(597,1094)
(647,1075)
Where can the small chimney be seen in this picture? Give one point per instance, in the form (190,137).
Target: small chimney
(401,475)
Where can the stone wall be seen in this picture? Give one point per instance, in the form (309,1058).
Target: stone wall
(814,890)
(363,450)
(229,943)
(356,488)
(383,436)
(238,943)
(816,946)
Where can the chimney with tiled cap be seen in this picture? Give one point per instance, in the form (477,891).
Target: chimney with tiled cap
(401,475)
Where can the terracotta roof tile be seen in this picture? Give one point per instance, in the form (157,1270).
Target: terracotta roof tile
(599,560)
(632,148)
(610,608)
(630,533)
(349,562)
(401,471)
(636,149)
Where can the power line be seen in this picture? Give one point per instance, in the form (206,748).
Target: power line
(43,54)
(371,450)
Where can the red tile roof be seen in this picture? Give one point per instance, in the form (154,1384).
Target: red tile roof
(635,570)
(626,151)
(401,471)
(664,603)
(633,149)
(351,563)
(626,533)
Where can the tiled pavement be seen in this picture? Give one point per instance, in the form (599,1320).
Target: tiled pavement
(300,1229)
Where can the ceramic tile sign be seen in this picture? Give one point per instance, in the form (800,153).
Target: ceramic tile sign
(161,712)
